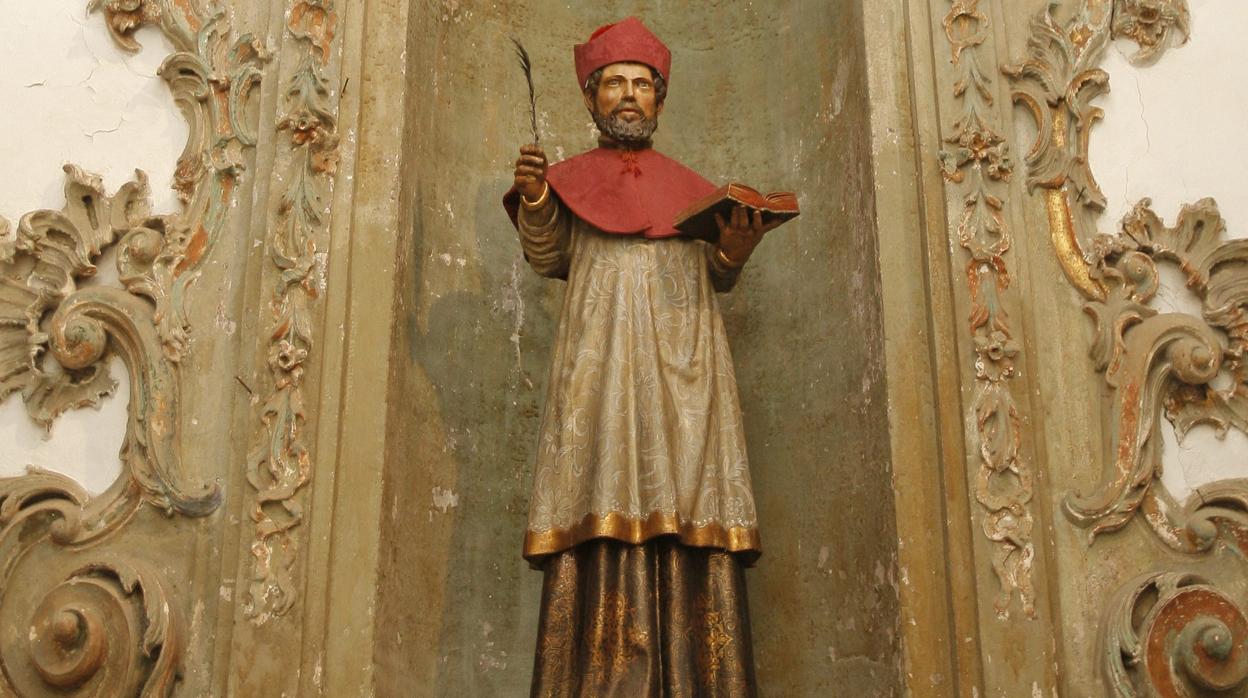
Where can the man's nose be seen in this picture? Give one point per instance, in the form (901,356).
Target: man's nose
(628,89)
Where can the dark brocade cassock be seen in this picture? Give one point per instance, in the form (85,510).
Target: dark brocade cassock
(642,515)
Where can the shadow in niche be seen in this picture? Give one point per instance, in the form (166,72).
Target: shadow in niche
(487,356)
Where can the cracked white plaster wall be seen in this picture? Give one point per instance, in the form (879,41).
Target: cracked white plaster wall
(1174,132)
(70,95)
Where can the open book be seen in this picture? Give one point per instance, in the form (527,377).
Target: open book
(698,220)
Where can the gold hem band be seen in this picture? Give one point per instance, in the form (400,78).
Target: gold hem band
(735,539)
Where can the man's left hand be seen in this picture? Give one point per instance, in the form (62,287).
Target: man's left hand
(741,234)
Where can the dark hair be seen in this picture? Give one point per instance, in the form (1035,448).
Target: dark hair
(660,84)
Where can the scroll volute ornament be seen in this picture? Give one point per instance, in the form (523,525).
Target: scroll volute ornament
(1175,635)
(107,630)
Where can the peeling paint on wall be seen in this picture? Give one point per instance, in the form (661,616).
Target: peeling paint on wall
(444,500)
(71,95)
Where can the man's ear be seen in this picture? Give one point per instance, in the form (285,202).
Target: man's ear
(658,108)
(589,101)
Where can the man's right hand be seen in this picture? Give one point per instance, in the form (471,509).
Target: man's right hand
(531,172)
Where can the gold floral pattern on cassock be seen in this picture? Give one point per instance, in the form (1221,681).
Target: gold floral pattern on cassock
(660,619)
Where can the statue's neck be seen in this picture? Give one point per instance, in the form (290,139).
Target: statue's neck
(609,142)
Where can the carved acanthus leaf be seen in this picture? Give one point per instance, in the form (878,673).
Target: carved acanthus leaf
(1057,81)
(125,17)
(49,395)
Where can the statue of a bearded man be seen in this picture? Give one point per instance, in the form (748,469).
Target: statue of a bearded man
(642,515)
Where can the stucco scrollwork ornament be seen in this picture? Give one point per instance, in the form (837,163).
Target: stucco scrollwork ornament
(1159,364)
(1175,635)
(56,334)
(280,463)
(1057,80)
(210,76)
(977,165)
(1167,634)
(1164,363)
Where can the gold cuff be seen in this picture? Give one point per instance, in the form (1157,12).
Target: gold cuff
(541,200)
(723,257)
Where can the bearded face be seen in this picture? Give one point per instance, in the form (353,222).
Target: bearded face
(625,100)
(629,131)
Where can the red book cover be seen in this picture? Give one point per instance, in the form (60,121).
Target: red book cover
(698,219)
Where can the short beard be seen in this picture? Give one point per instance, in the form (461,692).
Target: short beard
(627,132)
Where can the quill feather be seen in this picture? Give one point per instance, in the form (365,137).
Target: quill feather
(527,66)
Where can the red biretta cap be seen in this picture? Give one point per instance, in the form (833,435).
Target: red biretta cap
(627,41)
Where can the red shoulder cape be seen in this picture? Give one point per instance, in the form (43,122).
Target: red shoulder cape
(627,192)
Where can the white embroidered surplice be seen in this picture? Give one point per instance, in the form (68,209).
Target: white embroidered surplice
(642,433)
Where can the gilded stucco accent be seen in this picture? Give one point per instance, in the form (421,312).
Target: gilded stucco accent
(110,628)
(280,463)
(1056,81)
(977,165)
(1167,633)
